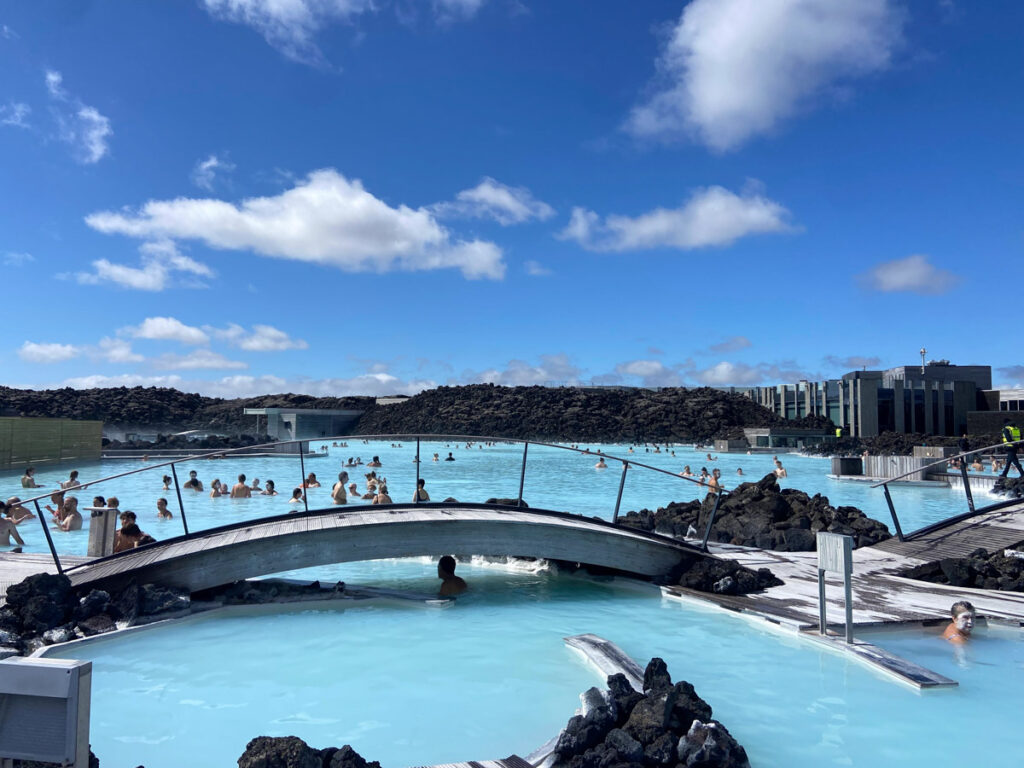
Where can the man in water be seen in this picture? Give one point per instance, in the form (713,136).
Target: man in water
(959,630)
(601,464)
(28,480)
(240,490)
(450,457)
(8,529)
(451,584)
(193,482)
(780,471)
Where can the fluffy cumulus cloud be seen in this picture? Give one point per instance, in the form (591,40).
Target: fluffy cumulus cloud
(536,269)
(262,338)
(197,359)
(550,370)
(159,262)
(713,216)
(324,219)
(733,69)
(15,114)
(167,329)
(82,127)
(47,353)
(207,171)
(914,274)
(491,199)
(16,259)
(729,374)
(118,351)
(651,373)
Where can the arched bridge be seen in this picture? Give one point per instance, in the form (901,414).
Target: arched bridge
(338,535)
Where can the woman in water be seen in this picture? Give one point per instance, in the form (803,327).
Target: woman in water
(216,489)
(268,489)
(382,495)
(296,496)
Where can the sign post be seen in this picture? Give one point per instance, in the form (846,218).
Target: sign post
(835,555)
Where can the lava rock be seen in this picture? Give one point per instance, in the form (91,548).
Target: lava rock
(279,752)
(656,676)
(508,502)
(95,602)
(979,570)
(628,749)
(346,757)
(97,625)
(156,599)
(9,621)
(41,613)
(58,635)
(623,696)
(54,588)
(710,744)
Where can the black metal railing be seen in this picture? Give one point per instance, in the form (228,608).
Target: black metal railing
(626,462)
(972,509)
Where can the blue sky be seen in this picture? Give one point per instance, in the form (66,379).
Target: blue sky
(355,196)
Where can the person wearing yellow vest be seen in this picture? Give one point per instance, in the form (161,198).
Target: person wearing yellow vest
(1011,436)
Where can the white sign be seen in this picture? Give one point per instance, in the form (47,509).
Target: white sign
(835,553)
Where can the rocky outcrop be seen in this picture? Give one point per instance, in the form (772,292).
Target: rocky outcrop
(293,752)
(667,725)
(762,515)
(893,444)
(721,577)
(44,609)
(980,570)
(1010,487)
(571,413)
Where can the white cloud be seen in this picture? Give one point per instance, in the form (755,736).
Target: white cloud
(206,171)
(160,260)
(652,373)
(81,126)
(12,259)
(167,329)
(913,274)
(7,33)
(456,9)
(536,269)
(728,374)
(713,216)
(197,359)
(14,114)
(289,25)
(491,199)
(324,219)
(733,344)
(732,69)
(853,362)
(262,338)
(552,370)
(118,351)
(47,353)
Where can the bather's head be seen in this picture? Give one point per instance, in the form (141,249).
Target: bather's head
(963,616)
(446,567)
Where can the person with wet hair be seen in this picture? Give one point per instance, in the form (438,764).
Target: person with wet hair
(959,630)
(338,494)
(451,584)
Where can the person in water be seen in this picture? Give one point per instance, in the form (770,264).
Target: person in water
(450,457)
(959,629)
(421,491)
(601,464)
(451,584)
(162,512)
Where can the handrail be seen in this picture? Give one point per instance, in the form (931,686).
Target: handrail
(626,462)
(944,461)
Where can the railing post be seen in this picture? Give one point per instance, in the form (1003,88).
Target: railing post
(522,475)
(181,505)
(892,511)
(967,483)
(416,492)
(302,485)
(622,484)
(711,521)
(49,539)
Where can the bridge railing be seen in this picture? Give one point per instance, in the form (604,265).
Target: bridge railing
(972,510)
(626,462)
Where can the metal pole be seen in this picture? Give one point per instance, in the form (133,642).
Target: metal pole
(822,617)
(416,493)
(522,475)
(967,483)
(618,499)
(848,585)
(49,539)
(892,511)
(711,522)
(302,485)
(181,505)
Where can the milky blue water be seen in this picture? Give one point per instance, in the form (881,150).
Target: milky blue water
(555,479)
(409,684)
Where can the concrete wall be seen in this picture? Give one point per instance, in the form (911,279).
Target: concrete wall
(25,441)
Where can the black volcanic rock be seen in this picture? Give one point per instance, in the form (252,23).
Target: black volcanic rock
(1011,487)
(979,570)
(762,515)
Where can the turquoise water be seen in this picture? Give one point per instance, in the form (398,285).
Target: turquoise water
(555,479)
(410,685)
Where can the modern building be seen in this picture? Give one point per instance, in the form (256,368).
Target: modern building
(303,423)
(934,398)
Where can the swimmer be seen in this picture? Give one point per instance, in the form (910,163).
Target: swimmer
(704,476)
(338,495)
(193,482)
(216,489)
(353,491)
(240,490)
(55,514)
(18,512)
(977,466)
(9,530)
(72,481)
(686,472)
(713,485)
(780,471)
(311,481)
(450,457)
(451,584)
(712,458)
(269,489)
(421,492)
(382,495)
(296,496)
(600,464)
(436,458)
(167,482)
(959,630)
(739,470)
(255,485)
(71,518)
(162,512)
(28,480)
(375,462)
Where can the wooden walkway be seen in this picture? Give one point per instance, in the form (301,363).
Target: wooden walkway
(338,535)
(880,595)
(17,567)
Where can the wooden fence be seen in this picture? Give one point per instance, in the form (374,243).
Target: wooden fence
(25,441)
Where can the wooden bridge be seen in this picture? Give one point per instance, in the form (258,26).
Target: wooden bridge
(338,535)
